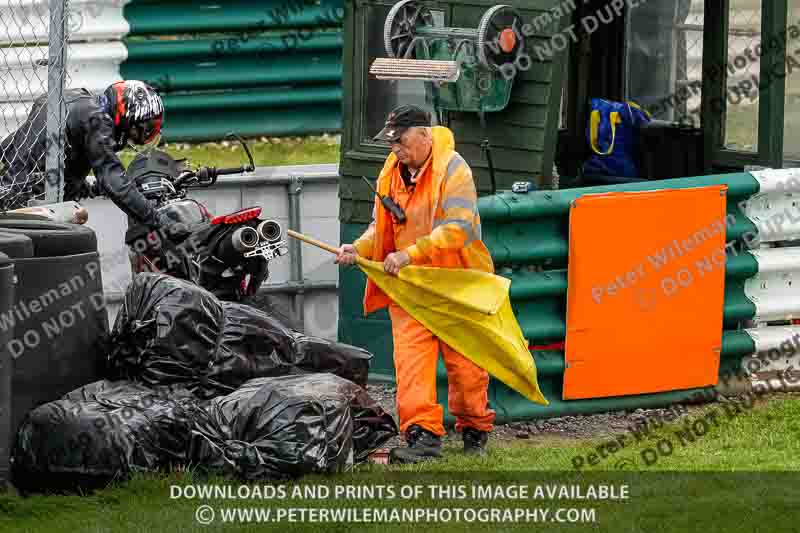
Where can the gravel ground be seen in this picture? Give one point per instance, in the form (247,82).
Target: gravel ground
(567,427)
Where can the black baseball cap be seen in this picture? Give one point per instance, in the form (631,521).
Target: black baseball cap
(399,120)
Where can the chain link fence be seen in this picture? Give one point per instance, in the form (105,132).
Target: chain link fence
(689,59)
(741,116)
(663,58)
(34,37)
(791,117)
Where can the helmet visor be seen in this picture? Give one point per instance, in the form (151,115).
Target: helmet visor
(145,132)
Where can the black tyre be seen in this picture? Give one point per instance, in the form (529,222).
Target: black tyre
(52,239)
(16,246)
(22,216)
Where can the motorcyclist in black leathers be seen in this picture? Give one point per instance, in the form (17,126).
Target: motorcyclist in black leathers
(97,126)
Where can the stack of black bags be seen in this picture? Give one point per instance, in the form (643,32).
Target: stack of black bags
(206,384)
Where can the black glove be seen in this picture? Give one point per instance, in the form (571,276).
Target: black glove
(85,188)
(165,228)
(94,188)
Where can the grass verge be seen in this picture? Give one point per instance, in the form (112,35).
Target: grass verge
(737,473)
(266,152)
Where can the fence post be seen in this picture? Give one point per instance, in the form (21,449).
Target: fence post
(56,109)
(295,252)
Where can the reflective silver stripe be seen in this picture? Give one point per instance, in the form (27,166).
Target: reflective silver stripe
(463,223)
(466,226)
(476,231)
(453,165)
(459,202)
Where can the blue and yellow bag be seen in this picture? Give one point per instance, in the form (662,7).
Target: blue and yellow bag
(612,134)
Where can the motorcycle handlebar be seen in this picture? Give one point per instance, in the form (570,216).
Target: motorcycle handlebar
(207,176)
(226,171)
(211,173)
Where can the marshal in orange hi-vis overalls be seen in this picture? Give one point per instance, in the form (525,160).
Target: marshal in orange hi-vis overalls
(442,229)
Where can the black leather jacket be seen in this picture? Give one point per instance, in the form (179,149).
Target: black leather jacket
(89,146)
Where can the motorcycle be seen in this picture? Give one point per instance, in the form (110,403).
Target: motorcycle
(227,255)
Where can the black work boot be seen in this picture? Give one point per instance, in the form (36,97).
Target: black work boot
(475,441)
(422,446)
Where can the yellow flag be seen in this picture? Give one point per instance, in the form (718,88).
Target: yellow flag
(469,310)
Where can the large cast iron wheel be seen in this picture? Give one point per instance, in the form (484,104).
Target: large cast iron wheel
(400,27)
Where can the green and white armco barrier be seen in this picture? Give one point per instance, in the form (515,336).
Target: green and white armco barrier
(270,68)
(773,290)
(528,237)
(763,211)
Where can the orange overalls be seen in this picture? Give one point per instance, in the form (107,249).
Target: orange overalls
(442,228)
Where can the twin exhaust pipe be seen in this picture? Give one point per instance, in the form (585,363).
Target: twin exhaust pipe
(269,230)
(247,237)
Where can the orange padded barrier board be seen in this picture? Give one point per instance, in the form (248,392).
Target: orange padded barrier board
(646,290)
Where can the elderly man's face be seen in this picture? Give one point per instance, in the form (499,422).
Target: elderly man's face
(412,148)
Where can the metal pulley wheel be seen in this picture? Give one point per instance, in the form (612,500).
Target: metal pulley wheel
(484,83)
(500,39)
(399,30)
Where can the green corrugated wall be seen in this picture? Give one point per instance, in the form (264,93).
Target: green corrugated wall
(269,68)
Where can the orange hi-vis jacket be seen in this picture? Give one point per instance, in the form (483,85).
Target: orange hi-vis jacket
(442,228)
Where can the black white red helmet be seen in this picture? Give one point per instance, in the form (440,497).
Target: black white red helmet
(137,112)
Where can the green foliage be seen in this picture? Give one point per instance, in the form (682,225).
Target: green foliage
(266,152)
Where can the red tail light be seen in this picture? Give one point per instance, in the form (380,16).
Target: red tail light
(240,216)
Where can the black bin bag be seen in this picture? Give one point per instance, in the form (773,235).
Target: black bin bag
(316,354)
(288,426)
(170,331)
(104,431)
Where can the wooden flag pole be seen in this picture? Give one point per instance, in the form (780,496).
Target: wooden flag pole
(319,244)
(315,242)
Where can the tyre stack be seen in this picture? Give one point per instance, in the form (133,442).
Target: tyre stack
(53,321)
